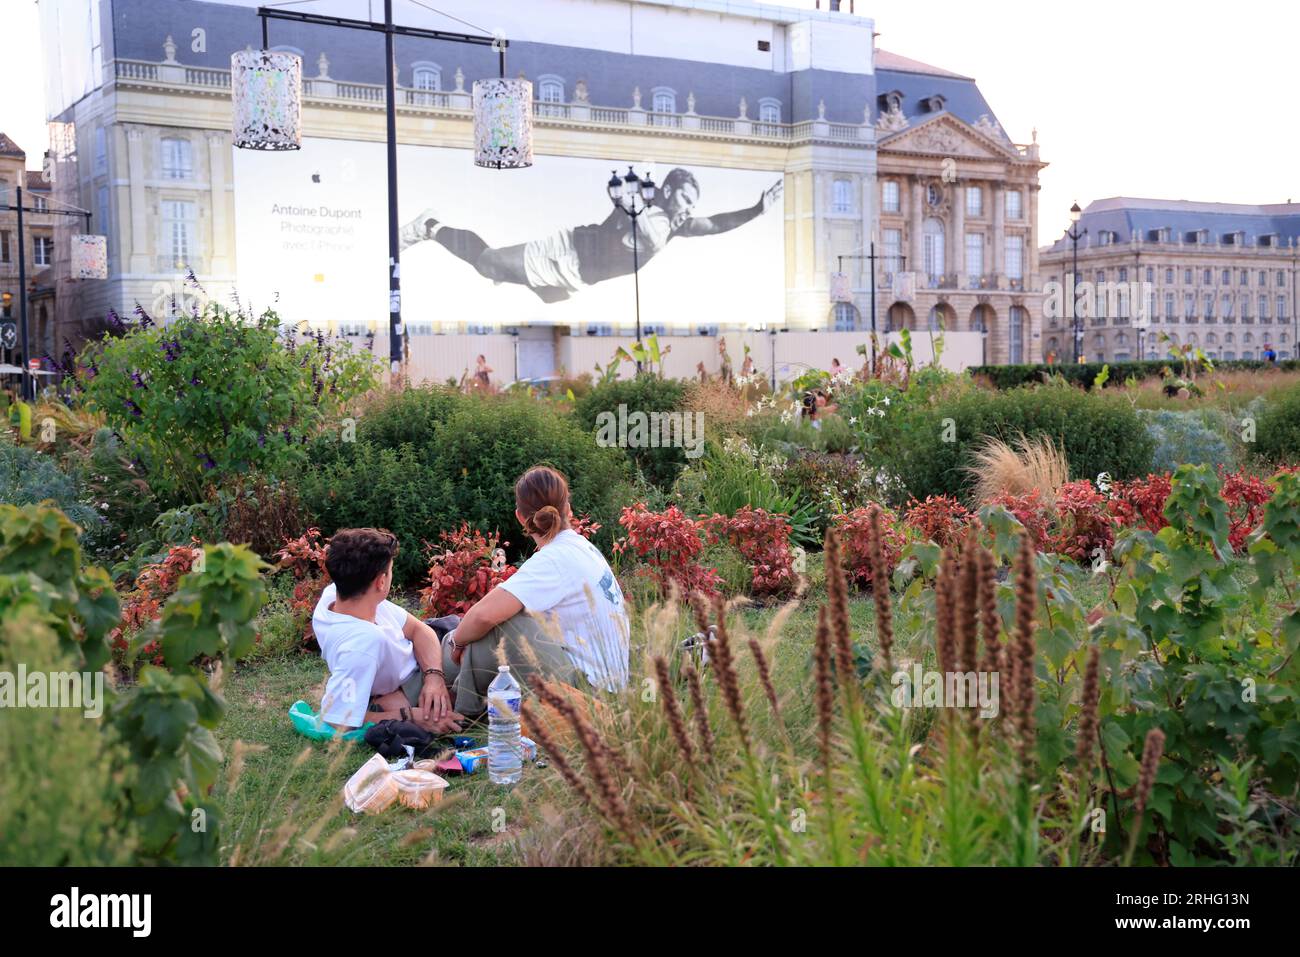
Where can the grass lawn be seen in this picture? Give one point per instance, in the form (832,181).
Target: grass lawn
(281,794)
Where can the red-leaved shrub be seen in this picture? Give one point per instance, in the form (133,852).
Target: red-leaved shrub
(304,558)
(462,572)
(1245,495)
(763,540)
(1084,523)
(1140,502)
(669,543)
(1030,511)
(855,535)
(939,519)
(143,604)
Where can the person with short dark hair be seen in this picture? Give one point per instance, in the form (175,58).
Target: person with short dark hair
(384,662)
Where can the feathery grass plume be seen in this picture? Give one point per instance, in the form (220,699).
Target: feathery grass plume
(945,639)
(598,763)
(724,666)
(1032,464)
(567,709)
(837,596)
(671,708)
(700,605)
(557,756)
(966,613)
(824,691)
(1024,650)
(765,676)
(702,729)
(1152,750)
(880,578)
(990,622)
(1088,713)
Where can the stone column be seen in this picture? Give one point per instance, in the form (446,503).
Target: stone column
(957,256)
(135,163)
(998,195)
(1031,242)
(916,219)
(219,260)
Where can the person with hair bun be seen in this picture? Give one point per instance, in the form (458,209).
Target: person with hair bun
(561,614)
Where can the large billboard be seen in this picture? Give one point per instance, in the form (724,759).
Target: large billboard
(504,247)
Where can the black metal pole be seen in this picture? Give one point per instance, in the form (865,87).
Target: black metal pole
(22,301)
(396,332)
(1074,296)
(636,282)
(871,261)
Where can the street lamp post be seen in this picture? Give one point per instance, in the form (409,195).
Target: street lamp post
(1074,233)
(633,196)
(502,120)
(28,372)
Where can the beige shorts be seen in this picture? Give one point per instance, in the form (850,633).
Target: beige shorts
(553,262)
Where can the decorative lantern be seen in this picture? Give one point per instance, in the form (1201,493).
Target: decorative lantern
(266,87)
(503,123)
(89,256)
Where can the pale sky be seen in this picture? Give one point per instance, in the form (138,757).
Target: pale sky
(1172,99)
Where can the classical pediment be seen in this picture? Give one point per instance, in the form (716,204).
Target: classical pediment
(945,135)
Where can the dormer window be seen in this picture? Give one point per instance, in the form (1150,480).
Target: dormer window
(1237,238)
(891,102)
(1198,236)
(1106,237)
(1160,235)
(1267,239)
(934,104)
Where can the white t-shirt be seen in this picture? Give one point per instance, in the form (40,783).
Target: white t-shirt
(364,658)
(568,578)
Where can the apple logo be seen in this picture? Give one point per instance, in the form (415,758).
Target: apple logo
(315,177)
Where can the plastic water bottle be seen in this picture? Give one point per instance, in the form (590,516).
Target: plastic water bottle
(505,751)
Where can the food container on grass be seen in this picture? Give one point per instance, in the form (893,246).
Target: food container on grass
(418,788)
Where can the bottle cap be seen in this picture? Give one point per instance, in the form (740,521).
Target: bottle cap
(503,668)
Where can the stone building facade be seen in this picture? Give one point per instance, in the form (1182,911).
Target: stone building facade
(38,244)
(1218,276)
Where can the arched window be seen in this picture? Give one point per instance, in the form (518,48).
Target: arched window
(664,100)
(1098,347)
(1016,336)
(769,110)
(936,322)
(427,77)
(177,158)
(847,318)
(932,235)
(550,89)
(550,95)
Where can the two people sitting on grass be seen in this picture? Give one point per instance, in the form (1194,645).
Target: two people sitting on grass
(561,615)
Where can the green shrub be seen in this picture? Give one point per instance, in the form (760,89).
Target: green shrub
(60,799)
(427,461)
(1193,437)
(643,393)
(29,477)
(211,395)
(932,445)
(1277,433)
(727,478)
(157,756)
(1085,374)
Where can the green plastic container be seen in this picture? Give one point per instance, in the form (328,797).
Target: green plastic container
(309,724)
